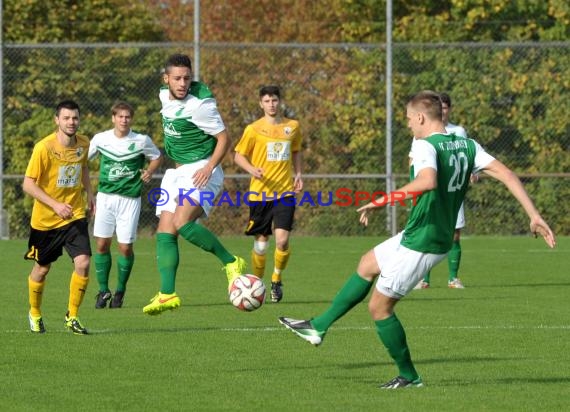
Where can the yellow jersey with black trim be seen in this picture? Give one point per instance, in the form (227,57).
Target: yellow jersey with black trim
(58,169)
(270,147)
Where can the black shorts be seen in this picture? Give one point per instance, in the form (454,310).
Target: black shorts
(263,214)
(45,246)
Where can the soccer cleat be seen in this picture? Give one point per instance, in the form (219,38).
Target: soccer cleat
(102,299)
(276,292)
(401,382)
(36,324)
(161,302)
(422,285)
(304,330)
(73,324)
(117,301)
(455,284)
(235,269)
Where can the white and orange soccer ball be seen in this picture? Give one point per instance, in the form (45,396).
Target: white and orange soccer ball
(247,292)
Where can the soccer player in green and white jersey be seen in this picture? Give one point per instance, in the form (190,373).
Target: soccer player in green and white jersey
(454,255)
(123,154)
(195,137)
(442,164)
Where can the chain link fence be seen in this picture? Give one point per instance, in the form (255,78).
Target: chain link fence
(511,97)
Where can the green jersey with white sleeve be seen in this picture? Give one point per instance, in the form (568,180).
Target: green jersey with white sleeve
(190,124)
(432,219)
(122,159)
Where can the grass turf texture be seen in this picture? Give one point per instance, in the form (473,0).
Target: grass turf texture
(500,344)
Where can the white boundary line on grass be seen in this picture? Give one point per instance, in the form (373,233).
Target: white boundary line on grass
(342,328)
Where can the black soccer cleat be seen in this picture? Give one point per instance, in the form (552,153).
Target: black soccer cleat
(117,301)
(276,292)
(102,299)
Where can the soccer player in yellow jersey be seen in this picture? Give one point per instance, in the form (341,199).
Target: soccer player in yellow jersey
(56,177)
(269,151)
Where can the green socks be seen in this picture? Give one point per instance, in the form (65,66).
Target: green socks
(103,263)
(168,258)
(199,236)
(353,292)
(125,266)
(453,259)
(393,337)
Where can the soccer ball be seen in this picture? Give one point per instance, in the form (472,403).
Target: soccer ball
(247,292)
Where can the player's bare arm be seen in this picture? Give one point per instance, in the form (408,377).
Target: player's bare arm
(425,180)
(86,180)
(297,167)
(153,165)
(202,175)
(63,210)
(244,163)
(499,171)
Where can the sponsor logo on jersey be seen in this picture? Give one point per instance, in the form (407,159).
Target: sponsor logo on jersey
(170,130)
(119,171)
(278,151)
(68,175)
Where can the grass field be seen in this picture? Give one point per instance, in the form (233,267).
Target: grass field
(502,344)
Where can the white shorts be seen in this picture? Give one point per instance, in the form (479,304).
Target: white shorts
(177,186)
(401,268)
(116,212)
(460,224)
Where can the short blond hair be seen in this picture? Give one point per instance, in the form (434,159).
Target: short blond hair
(427,102)
(118,106)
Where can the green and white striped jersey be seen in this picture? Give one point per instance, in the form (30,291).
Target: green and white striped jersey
(122,159)
(190,124)
(432,219)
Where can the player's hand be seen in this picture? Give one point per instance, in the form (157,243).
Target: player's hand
(257,172)
(363,216)
(201,177)
(364,211)
(145,175)
(474,178)
(92,205)
(63,210)
(298,184)
(367,208)
(539,227)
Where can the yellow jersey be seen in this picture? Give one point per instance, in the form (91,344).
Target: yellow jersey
(270,147)
(58,171)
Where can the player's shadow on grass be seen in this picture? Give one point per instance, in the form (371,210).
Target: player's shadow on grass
(469,360)
(565,379)
(522,285)
(465,381)
(411,298)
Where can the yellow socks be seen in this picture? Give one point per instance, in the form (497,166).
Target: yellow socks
(258,264)
(281,259)
(36,291)
(77,288)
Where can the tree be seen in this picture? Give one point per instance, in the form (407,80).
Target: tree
(36,78)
